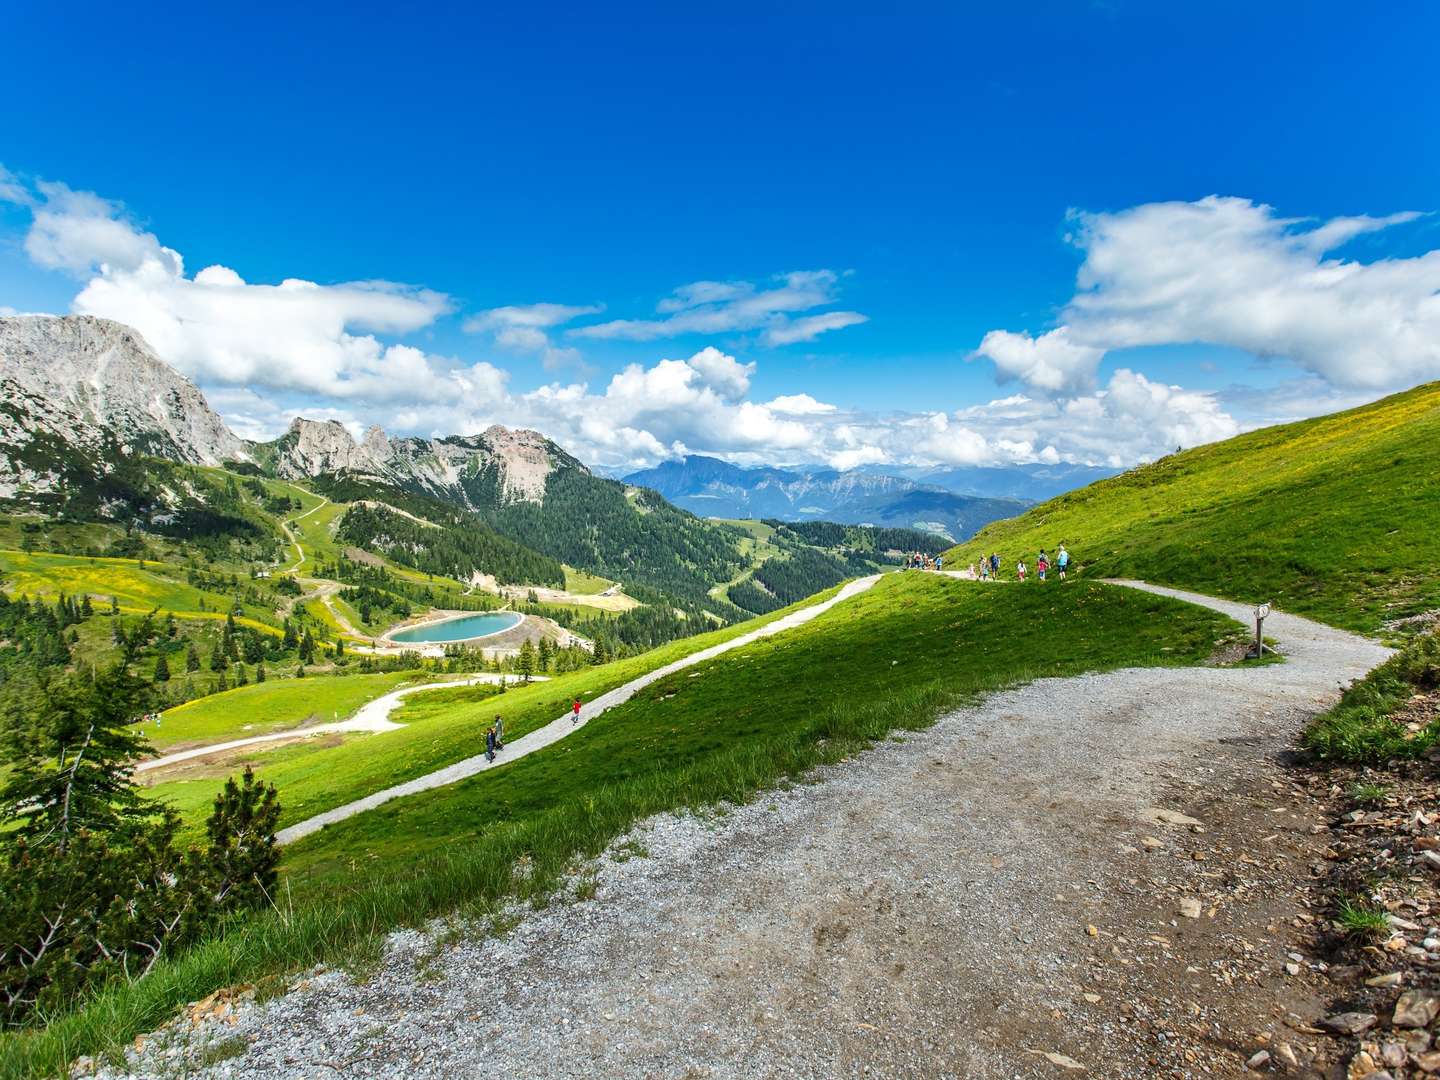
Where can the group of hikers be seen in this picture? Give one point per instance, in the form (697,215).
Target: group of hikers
(918,560)
(989,566)
(495,733)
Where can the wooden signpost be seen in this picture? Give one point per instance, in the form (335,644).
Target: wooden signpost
(1257,650)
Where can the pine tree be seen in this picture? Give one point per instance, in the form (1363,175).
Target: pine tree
(192,658)
(171,628)
(300,671)
(339,648)
(217,658)
(86,608)
(307,649)
(241,679)
(114,606)
(162,669)
(259,673)
(71,757)
(544,654)
(239,865)
(289,642)
(525,660)
(221,684)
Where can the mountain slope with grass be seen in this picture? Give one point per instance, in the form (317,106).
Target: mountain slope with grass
(1334,518)
(721,730)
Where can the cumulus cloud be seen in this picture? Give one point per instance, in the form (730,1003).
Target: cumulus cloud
(524,328)
(716,307)
(1050,362)
(799,405)
(1232,272)
(265,352)
(223,331)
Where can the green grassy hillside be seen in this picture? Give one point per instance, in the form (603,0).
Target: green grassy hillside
(896,656)
(719,731)
(1334,518)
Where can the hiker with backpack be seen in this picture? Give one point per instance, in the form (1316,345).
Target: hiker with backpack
(490,743)
(1062,560)
(499,732)
(1042,564)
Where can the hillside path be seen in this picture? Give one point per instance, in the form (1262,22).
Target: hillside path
(373,716)
(557,729)
(919,910)
(294,539)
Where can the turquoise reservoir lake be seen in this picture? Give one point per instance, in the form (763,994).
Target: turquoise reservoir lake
(465,628)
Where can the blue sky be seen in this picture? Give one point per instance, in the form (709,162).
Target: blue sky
(922,169)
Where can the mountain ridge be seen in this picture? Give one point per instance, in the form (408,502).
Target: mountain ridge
(711,487)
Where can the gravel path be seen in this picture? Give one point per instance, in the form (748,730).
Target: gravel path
(919,910)
(557,729)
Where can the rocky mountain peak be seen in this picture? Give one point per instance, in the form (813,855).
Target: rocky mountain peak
(92,384)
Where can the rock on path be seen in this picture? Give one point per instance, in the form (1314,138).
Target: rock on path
(924,910)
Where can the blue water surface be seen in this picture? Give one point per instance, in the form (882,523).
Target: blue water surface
(465,628)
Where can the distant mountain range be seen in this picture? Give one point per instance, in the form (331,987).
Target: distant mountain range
(94,426)
(713,488)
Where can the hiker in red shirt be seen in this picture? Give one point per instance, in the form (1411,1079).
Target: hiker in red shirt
(575,712)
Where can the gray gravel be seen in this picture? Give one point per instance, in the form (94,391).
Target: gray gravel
(919,910)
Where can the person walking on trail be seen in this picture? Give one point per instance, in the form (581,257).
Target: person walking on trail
(575,712)
(940,563)
(994,564)
(1062,560)
(1042,564)
(490,744)
(499,732)
(1020,570)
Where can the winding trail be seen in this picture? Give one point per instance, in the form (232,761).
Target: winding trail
(294,540)
(557,729)
(373,716)
(920,910)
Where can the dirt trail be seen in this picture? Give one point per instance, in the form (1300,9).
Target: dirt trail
(372,717)
(958,903)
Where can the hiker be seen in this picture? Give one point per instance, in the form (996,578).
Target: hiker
(994,564)
(575,713)
(1042,564)
(972,569)
(1020,570)
(490,744)
(499,732)
(1062,560)
(984,568)
(940,563)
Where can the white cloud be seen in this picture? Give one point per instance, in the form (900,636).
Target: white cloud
(810,327)
(1049,362)
(717,307)
(523,327)
(222,331)
(264,352)
(1231,272)
(528,315)
(12,190)
(799,405)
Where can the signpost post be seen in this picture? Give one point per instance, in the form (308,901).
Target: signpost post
(1258,649)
